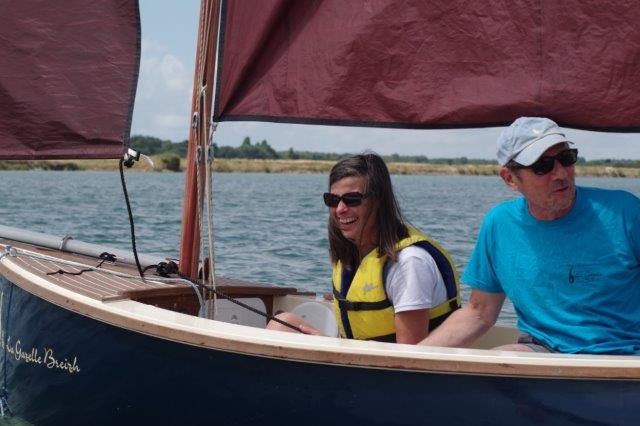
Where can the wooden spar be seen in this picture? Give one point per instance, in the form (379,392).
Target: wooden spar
(198,135)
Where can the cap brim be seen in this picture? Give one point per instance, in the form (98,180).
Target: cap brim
(531,153)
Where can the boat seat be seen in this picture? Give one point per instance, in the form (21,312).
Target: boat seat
(319,316)
(232,313)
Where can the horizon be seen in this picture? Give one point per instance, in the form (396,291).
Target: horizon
(343,153)
(163,107)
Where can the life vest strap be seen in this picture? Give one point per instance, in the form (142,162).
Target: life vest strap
(444,308)
(360,306)
(388,338)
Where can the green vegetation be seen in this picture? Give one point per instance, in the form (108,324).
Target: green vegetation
(148,145)
(634,164)
(39,165)
(263,151)
(259,151)
(261,157)
(170,162)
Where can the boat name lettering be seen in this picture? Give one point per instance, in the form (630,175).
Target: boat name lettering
(51,362)
(46,357)
(30,357)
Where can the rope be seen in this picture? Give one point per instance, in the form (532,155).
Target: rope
(16,252)
(104,258)
(218,293)
(257,311)
(8,251)
(164,269)
(199,194)
(131,225)
(171,267)
(64,241)
(209,204)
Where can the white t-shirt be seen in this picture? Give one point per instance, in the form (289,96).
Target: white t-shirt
(414,281)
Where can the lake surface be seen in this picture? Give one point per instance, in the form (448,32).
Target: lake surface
(269,228)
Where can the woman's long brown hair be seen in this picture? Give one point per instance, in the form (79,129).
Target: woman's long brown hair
(390,225)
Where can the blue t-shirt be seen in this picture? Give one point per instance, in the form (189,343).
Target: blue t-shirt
(574,281)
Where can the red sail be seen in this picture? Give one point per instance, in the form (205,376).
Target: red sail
(426,64)
(67,78)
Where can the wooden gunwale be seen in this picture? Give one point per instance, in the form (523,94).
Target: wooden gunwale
(216,335)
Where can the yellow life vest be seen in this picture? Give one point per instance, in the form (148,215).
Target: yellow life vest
(365,312)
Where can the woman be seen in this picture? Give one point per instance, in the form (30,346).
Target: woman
(390,281)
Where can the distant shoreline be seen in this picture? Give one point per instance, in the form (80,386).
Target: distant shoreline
(224,165)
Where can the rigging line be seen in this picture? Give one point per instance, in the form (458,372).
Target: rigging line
(203,188)
(193,285)
(209,202)
(208,128)
(250,308)
(103,258)
(197,136)
(131,224)
(210,278)
(257,311)
(199,222)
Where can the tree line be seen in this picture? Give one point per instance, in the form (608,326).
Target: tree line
(149,145)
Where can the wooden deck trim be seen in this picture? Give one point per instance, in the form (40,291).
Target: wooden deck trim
(231,287)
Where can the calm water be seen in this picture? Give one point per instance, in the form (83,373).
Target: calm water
(269,228)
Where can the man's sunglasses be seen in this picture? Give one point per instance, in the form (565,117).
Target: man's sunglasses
(350,199)
(545,164)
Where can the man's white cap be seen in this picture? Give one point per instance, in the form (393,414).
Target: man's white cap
(527,138)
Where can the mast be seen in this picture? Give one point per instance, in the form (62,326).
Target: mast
(203,92)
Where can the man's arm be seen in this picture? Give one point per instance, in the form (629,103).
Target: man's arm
(468,323)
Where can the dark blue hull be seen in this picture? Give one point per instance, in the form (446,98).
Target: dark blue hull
(63,368)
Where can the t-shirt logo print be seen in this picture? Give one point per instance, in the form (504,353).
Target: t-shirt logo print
(585,277)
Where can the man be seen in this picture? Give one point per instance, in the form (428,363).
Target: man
(568,257)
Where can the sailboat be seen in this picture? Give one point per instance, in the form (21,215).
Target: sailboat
(95,335)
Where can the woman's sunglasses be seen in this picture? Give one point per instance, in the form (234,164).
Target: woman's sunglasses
(544,165)
(350,199)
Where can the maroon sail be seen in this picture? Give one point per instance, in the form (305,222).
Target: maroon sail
(425,64)
(68,76)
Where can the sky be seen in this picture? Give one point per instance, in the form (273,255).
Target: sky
(163,103)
